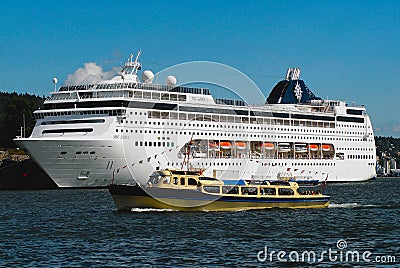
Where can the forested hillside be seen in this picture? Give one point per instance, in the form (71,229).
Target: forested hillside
(12,108)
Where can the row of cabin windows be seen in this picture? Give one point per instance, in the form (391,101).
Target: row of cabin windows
(155,143)
(237,119)
(355,149)
(117,112)
(247,190)
(355,156)
(182,181)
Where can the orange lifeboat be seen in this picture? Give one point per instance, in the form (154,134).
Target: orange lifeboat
(326,147)
(268,145)
(225,145)
(313,147)
(240,145)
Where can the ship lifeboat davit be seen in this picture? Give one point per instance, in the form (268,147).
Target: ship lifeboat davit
(313,147)
(240,145)
(225,145)
(284,147)
(268,145)
(213,146)
(326,147)
(300,148)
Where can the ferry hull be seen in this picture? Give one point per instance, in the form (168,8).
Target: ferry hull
(127,197)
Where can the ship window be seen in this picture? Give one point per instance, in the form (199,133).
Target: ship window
(192,181)
(67,130)
(78,152)
(211,189)
(167,180)
(175,180)
(230,189)
(182,181)
(249,190)
(268,191)
(165,97)
(285,191)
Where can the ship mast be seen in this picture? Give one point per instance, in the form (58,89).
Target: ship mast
(131,67)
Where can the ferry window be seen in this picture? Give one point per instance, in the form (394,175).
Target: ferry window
(268,191)
(230,189)
(249,190)
(182,181)
(176,180)
(211,189)
(192,181)
(167,180)
(285,191)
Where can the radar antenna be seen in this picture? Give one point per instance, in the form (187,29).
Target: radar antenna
(132,67)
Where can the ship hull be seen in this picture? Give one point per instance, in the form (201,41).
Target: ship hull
(127,197)
(115,161)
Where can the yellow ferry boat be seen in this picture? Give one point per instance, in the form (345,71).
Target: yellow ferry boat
(191,191)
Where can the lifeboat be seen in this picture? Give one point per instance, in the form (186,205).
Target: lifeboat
(326,147)
(240,145)
(300,148)
(225,144)
(313,147)
(268,145)
(284,147)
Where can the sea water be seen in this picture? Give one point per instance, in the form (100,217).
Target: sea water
(65,228)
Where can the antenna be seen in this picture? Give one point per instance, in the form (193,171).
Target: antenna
(131,67)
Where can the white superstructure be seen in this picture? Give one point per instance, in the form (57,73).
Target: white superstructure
(124,129)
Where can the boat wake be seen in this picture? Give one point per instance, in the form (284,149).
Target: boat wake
(357,205)
(344,205)
(139,210)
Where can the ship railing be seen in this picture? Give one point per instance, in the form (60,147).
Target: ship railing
(157,87)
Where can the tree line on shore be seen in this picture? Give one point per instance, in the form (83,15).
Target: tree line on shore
(16,108)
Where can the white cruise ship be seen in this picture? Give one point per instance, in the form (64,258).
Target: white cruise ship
(123,129)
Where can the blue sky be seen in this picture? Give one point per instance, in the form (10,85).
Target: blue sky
(348,50)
